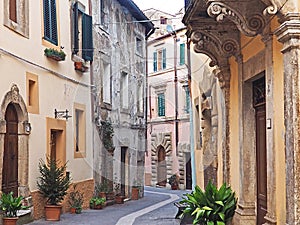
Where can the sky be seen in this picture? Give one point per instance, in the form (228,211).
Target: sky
(169,6)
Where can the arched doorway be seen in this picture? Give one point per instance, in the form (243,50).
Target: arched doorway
(161,167)
(10,156)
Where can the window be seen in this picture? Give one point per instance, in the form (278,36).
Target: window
(124,90)
(82,33)
(159,60)
(106,83)
(50,21)
(13,10)
(16,16)
(161,104)
(163,20)
(140,97)
(79,130)
(32,90)
(187,99)
(139,46)
(102,14)
(182,54)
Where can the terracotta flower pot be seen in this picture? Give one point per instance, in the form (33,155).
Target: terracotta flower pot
(72,210)
(135,193)
(10,220)
(119,199)
(52,212)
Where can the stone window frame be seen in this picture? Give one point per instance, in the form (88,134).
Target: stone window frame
(21,26)
(160,89)
(32,91)
(80,130)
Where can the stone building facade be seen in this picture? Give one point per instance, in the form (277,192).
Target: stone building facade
(119,92)
(34,86)
(254,46)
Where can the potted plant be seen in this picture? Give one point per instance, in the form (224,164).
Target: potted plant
(81,66)
(75,200)
(212,206)
(102,189)
(55,54)
(107,133)
(174,182)
(10,206)
(119,198)
(53,184)
(97,202)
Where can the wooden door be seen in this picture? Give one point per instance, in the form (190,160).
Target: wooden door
(124,171)
(161,167)
(188,173)
(261,162)
(53,145)
(10,157)
(259,99)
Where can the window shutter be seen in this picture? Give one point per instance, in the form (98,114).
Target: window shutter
(154,61)
(164,64)
(75,28)
(161,105)
(50,21)
(182,54)
(187,99)
(87,37)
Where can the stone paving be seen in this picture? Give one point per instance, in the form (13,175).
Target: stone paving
(156,208)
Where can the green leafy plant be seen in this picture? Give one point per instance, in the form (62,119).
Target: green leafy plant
(95,201)
(102,187)
(107,135)
(53,182)
(76,199)
(10,204)
(173,180)
(55,54)
(211,207)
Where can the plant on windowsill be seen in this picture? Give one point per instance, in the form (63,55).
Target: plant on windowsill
(107,132)
(53,184)
(10,206)
(75,200)
(55,54)
(81,66)
(212,206)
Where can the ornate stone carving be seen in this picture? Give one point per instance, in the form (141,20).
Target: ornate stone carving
(161,139)
(250,26)
(272,9)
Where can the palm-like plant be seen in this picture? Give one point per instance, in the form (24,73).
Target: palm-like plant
(212,207)
(53,182)
(10,204)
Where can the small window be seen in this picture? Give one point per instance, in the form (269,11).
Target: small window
(32,93)
(182,54)
(82,33)
(161,59)
(187,99)
(155,61)
(163,20)
(106,83)
(161,104)
(140,97)
(124,90)
(50,21)
(102,14)
(13,10)
(139,46)
(80,130)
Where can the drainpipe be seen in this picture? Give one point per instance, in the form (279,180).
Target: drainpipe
(192,139)
(176,91)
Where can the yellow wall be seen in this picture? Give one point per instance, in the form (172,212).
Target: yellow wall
(251,46)
(234,126)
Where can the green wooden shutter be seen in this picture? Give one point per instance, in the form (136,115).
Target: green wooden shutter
(161,104)
(50,21)
(164,62)
(75,27)
(182,54)
(154,61)
(187,99)
(87,37)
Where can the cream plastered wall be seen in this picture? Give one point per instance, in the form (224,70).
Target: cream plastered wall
(54,92)
(234,127)
(279,129)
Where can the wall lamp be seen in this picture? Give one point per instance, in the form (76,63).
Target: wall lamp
(61,114)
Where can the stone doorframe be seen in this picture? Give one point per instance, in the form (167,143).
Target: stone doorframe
(14,97)
(164,140)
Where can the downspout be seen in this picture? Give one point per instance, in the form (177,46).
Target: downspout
(192,139)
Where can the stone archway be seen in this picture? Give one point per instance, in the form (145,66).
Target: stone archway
(14,98)
(161,140)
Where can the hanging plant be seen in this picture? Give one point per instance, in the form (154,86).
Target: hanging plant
(107,132)
(55,54)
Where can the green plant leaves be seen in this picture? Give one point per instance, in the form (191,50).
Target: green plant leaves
(212,207)
(10,204)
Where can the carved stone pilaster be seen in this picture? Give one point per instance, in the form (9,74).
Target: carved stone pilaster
(289,34)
